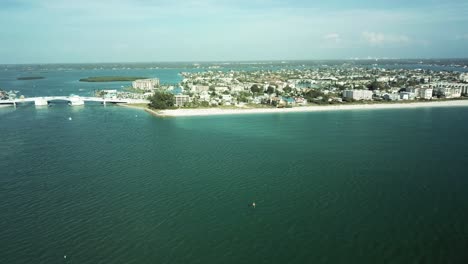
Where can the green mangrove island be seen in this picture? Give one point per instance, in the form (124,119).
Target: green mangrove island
(30,78)
(111,79)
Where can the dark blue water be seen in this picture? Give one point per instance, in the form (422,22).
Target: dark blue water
(117,185)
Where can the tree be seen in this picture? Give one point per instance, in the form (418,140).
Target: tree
(161,100)
(255,89)
(243,97)
(375,85)
(270,89)
(312,94)
(287,89)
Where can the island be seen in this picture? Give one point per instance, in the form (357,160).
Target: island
(27,78)
(305,89)
(111,79)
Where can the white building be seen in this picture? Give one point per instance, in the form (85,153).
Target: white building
(237,88)
(391,97)
(205,96)
(199,88)
(425,93)
(451,90)
(358,94)
(414,90)
(145,84)
(221,89)
(227,98)
(181,99)
(464,77)
(407,96)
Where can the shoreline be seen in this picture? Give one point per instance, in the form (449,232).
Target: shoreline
(142,107)
(300,109)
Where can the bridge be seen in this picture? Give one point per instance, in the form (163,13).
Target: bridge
(72,100)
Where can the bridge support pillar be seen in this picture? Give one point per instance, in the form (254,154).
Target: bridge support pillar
(76,101)
(40,101)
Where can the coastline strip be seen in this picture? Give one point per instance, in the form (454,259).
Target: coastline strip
(298,109)
(219,111)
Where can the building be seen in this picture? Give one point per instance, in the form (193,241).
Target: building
(145,84)
(414,90)
(205,96)
(425,93)
(464,77)
(221,89)
(391,97)
(407,96)
(200,88)
(181,99)
(227,98)
(357,94)
(451,90)
(109,94)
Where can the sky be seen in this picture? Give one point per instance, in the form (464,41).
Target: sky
(66,31)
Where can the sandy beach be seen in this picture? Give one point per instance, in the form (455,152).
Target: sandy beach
(221,111)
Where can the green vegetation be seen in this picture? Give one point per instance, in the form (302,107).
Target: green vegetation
(130,89)
(30,78)
(287,89)
(270,89)
(243,97)
(111,79)
(161,100)
(375,85)
(255,89)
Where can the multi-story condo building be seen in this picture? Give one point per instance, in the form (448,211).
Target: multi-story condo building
(181,99)
(358,94)
(145,84)
(451,90)
(425,93)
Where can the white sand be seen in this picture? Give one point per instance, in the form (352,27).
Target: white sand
(220,111)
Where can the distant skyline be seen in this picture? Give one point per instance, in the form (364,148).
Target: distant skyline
(58,31)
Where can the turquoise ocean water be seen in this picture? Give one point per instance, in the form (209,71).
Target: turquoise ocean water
(117,185)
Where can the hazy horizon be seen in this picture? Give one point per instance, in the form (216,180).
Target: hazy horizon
(286,61)
(57,31)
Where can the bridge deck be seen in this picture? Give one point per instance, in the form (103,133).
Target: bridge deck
(73,98)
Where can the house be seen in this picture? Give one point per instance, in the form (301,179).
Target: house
(227,98)
(237,88)
(301,100)
(221,89)
(205,96)
(199,88)
(391,96)
(288,100)
(407,96)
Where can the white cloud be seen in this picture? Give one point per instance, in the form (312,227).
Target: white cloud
(380,39)
(334,37)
